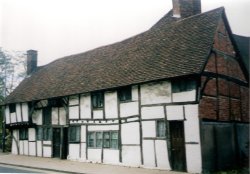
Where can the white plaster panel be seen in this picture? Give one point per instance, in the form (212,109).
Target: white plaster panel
(74,112)
(83,151)
(148,153)
(110,156)
(39,148)
(131,156)
(98,114)
(193,158)
(62,116)
(175,112)
(54,116)
(25,111)
(32,134)
(74,100)
(74,151)
(152,112)
(191,125)
(21,147)
(85,106)
(135,93)
(130,133)
(184,96)
(18,112)
(37,117)
(83,133)
(7,115)
(32,148)
(148,129)
(47,142)
(94,155)
(14,147)
(26,147)
(156,92)
(129,109)
(47,151)
(13,117)
(111,110)
(162,154)
(103,128)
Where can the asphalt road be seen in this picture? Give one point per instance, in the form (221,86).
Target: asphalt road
(14,169)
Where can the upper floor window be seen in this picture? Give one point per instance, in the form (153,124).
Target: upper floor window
(12,108)
(74,134)
(182,85)
(47,116)
(97,99)
(23,134)
(161,128)
(125,94)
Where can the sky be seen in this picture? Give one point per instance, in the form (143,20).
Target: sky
(57,28)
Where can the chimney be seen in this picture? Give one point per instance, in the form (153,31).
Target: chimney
(186,8)
(31,61)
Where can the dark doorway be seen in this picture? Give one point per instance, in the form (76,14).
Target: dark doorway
(178,157)
(56,142)
(65,143)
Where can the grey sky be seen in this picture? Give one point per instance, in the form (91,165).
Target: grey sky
(58,28)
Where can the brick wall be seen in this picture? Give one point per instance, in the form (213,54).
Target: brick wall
(223,99)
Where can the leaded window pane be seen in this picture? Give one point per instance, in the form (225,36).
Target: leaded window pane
(91,139)
(161,129)
(98,139)
(106,142)
(114,140)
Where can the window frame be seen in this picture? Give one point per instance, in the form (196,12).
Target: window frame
(76,130)
(159,132)
(125,94)
(12,108)
(181,85)
(39,133)
(23,134)
(97,100)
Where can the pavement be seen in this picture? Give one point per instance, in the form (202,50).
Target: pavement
(66,166)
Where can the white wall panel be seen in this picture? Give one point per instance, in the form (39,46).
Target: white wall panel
(62,116)
(15,143)
(25,111)
(148,153)
(47,142)
(83,151)
(111,109)
(103,128)
(32,148)
(98,114)
(32,134)
(148,129)
(39,148)
(129,109)
(85,106)
(37,117)
(83,133)
(54,116)
(21,147)
(94,155)
(157,92)
(131,156)
(184,96)
(47,151)
(130,133)
(13,117)
(175,112)
(162,154)
(18,112)
(74,151)
(7,115)
(26,147)
(74,112)
(74,100)
(152,112)
(110,156)
(193,158)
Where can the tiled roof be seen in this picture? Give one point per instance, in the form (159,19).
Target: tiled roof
(169,49)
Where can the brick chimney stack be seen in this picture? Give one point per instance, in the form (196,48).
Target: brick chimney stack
(186,8)
(31,61)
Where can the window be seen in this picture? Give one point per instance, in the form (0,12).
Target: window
(39,133)
(97,100)
(47,116)
(23,134)
(74,134)
(124,94)
(182,85)
(161,128)
(47,133)
(106,139)
(12,108)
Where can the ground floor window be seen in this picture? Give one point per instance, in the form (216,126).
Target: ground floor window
(39,133)
(160,128)
(74,134)
(23,134)
(47,133)
(105,139)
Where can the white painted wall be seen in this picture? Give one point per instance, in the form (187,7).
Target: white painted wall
(37,117)
(62,116)
(13,117)
(21,147)
(148,129)
(130,133)
(175,112)
(7,115)
(156,92)
(131,156)
(148,153)
(111,110)
(83,152)
(98,114)
(32,134)
(110,156)
(74,112)
(85,106)
(74,151)
(15,142)
(103,128)
(129,109)
(32,148)
(39,148)
(83,134)
(25,111)
(18,112)
(74,100)
(47,151)
(47,142)
(94,155)
(162,155)
(154,112)
(193,158)
(26,147)
(54,116)
(184,96)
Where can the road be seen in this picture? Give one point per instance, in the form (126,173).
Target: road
(14,169)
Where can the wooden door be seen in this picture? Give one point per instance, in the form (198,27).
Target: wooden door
(178,157)
(56,142)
